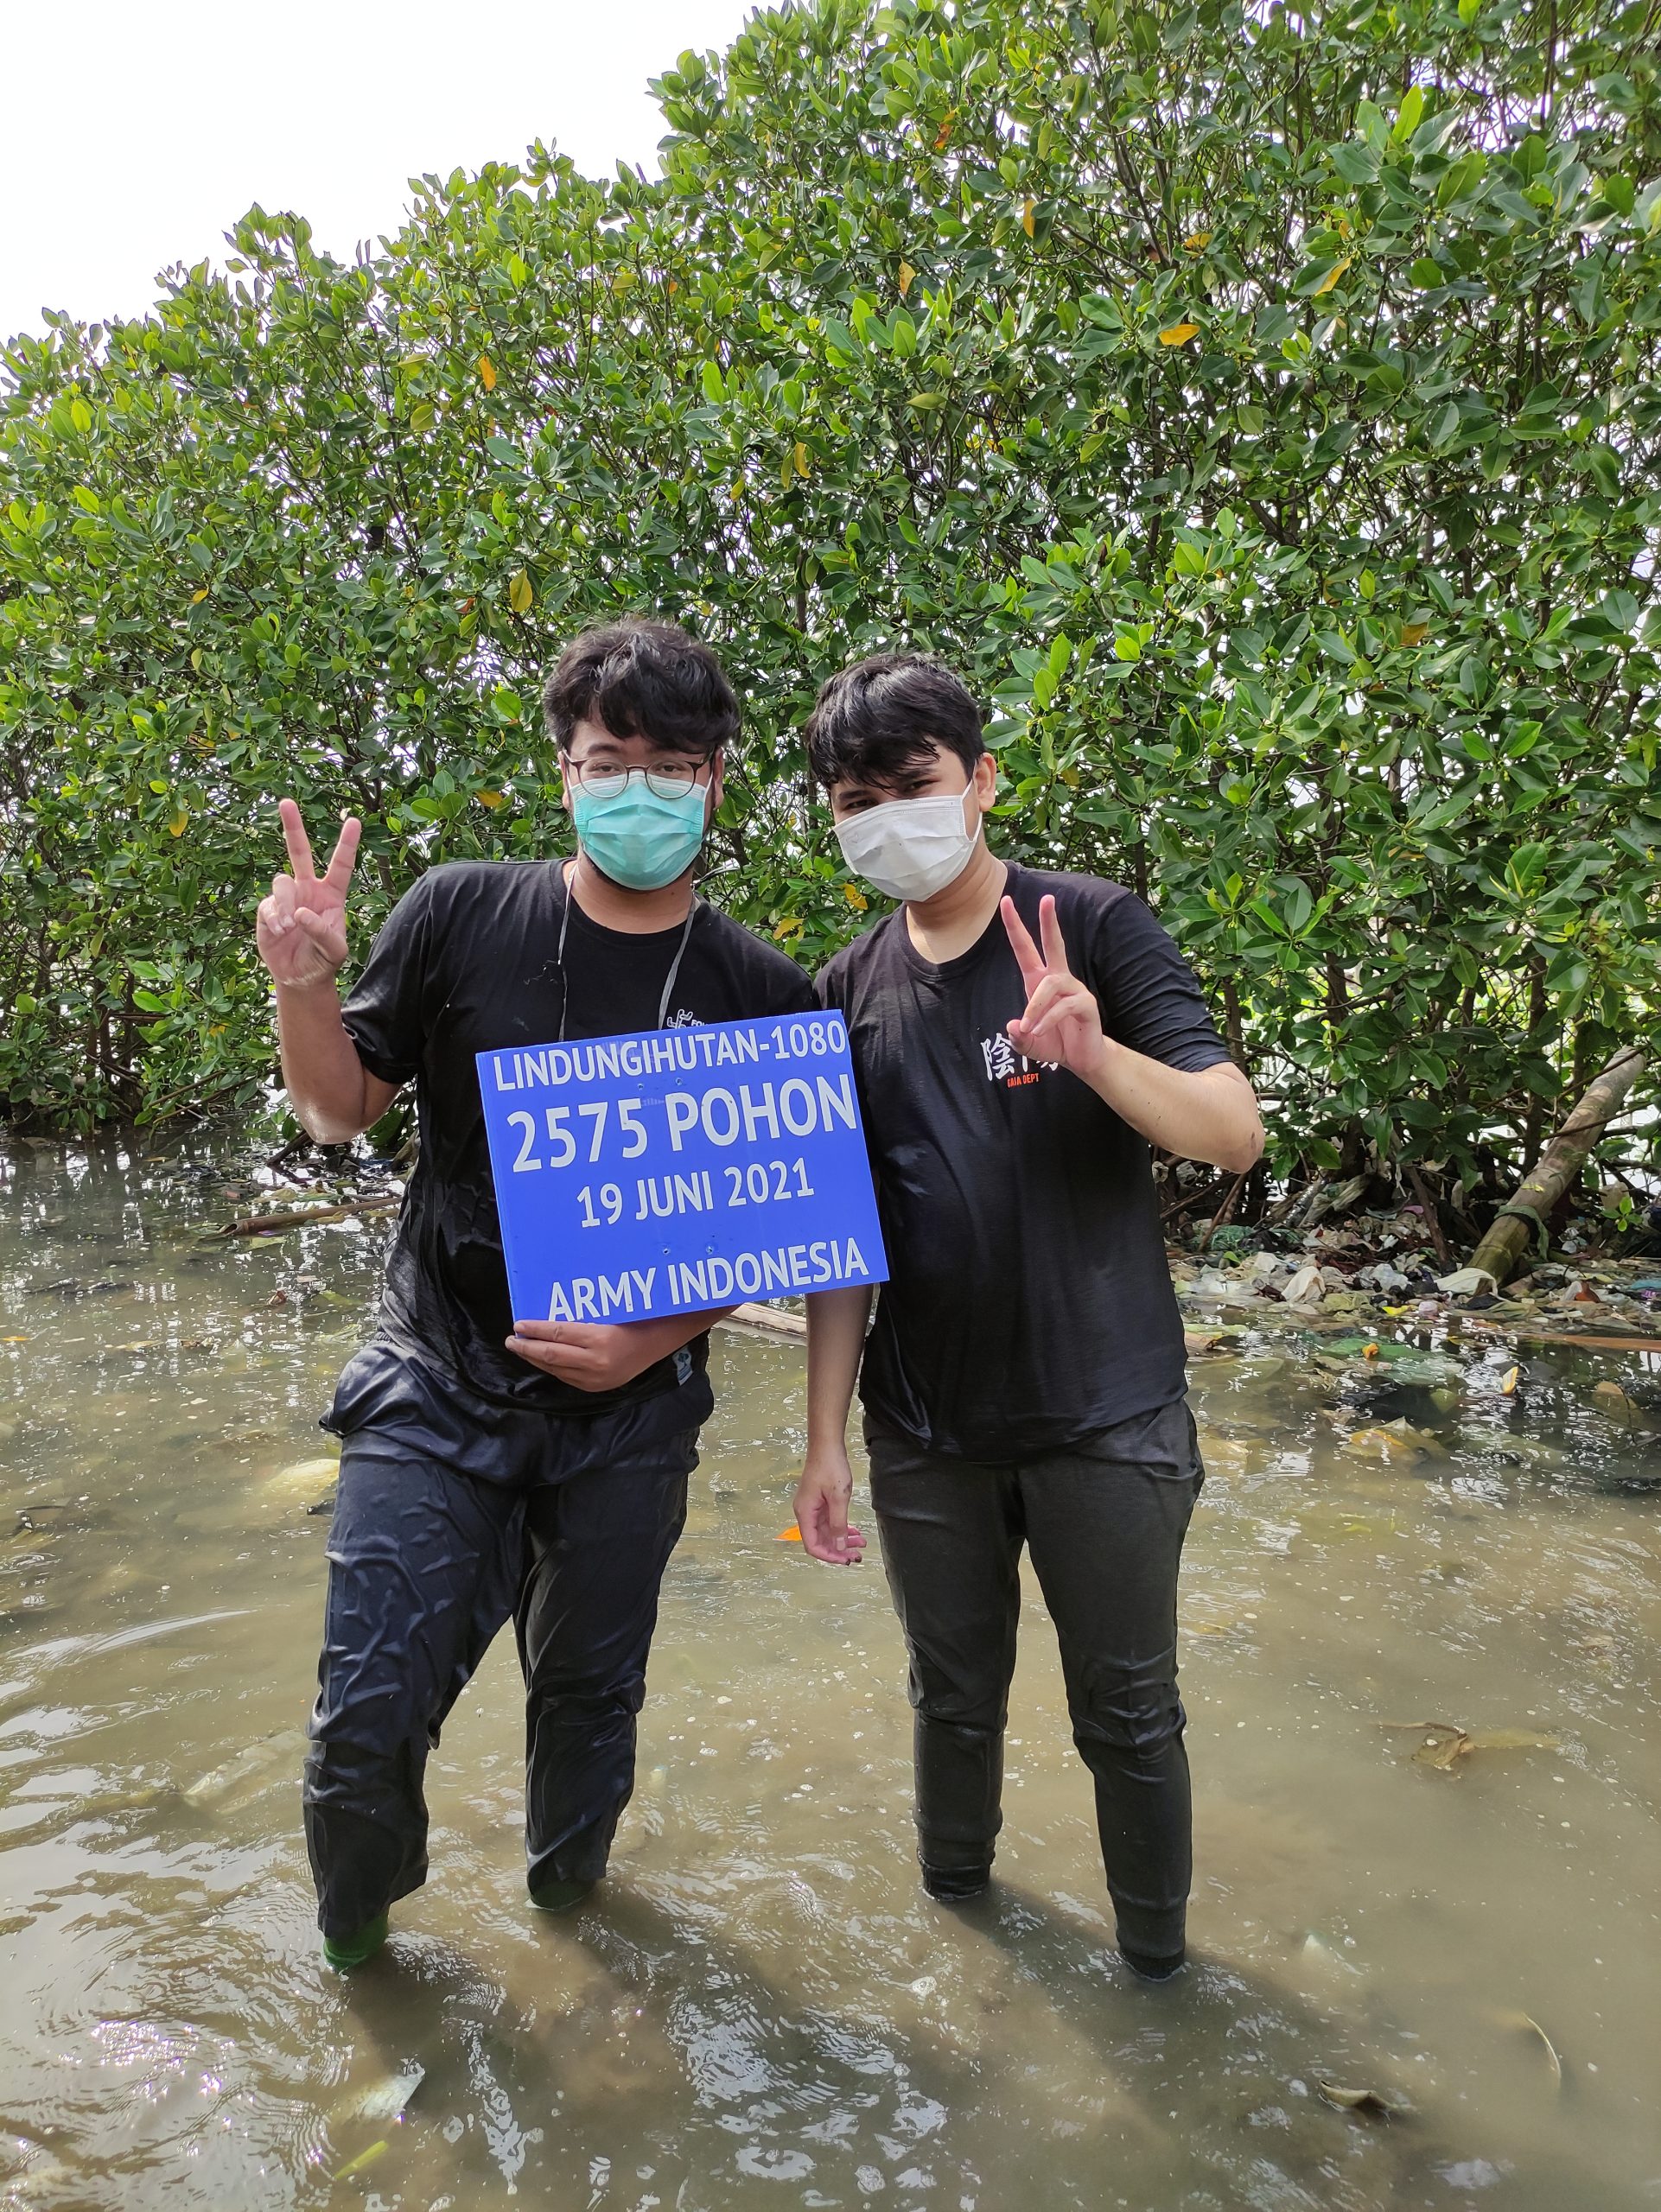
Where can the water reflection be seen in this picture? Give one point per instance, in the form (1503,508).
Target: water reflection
(763,2009)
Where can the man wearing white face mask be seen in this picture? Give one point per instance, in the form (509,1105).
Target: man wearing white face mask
(1019,1038)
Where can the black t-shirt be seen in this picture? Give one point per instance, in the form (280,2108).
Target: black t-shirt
(464,964)
(1029,1304)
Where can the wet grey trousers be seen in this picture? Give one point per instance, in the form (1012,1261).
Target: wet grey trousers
(1105,1523)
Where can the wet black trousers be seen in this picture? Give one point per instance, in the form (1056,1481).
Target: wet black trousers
(426,1563)
(1105,1523)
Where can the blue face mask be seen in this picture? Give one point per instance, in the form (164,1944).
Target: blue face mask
(637,838)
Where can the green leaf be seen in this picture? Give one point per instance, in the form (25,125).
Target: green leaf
(1408,114)
(1356,162)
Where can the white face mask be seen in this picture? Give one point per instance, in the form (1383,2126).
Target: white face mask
(910,847)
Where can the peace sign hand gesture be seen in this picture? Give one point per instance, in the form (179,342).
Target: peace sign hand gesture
(1062,1021)
(301,928)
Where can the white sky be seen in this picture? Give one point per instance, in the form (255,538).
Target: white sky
(134,135)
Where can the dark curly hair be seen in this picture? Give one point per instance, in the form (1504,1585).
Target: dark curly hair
(642,678)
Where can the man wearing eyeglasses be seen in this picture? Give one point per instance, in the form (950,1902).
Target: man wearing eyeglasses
(493,1463)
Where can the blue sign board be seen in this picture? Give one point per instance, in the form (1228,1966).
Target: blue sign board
(680,1168)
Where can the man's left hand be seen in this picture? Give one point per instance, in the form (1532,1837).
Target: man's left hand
(1062,1022)
(588,1355)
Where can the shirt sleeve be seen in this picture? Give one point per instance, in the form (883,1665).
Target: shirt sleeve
(384,1010)
(1148,995)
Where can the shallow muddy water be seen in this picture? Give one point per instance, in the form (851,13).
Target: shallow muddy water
(760,2008)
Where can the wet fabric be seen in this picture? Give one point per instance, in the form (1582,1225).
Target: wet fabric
(1104,1525)
(1028,1303)
(466,962)
(410,1404)
(570,1538)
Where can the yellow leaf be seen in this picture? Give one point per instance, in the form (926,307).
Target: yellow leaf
(1198,242)
(800,459)
(520,596)
(1332,276)
(790,926)
(197,597)
(1415,633)
(945,132)
(492,799)
(736,494)
(1179,333)
(906,272)
(854,897)
(180,822)
(1027,218)
(486,373)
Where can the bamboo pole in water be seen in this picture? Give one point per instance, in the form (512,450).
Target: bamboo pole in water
(272,1224)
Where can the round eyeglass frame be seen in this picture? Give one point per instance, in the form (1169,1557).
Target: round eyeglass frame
(611,783)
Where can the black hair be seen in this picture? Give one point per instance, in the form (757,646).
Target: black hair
(642,678)
(878,716)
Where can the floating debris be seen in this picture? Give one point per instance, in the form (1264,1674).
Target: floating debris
(304,1475)
(1445,1745)
(1525,2023)
(771,1320)
(1393,1441)
(386,2099)
(1361,2101)
(1321,1965)
(364,2159)
(248,1766)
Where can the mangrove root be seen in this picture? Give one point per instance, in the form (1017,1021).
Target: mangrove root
(1513,1231)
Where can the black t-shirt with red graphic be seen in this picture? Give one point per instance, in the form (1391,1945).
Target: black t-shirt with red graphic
(1029,1304)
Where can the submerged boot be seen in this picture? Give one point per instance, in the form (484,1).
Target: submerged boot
(358,1949)
(560,1896)
(1147,1968)
(955,1885)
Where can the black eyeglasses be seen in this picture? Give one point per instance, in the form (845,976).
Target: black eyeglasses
(608,781)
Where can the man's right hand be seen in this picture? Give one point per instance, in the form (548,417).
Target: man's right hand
(821,1499)
(301,928)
